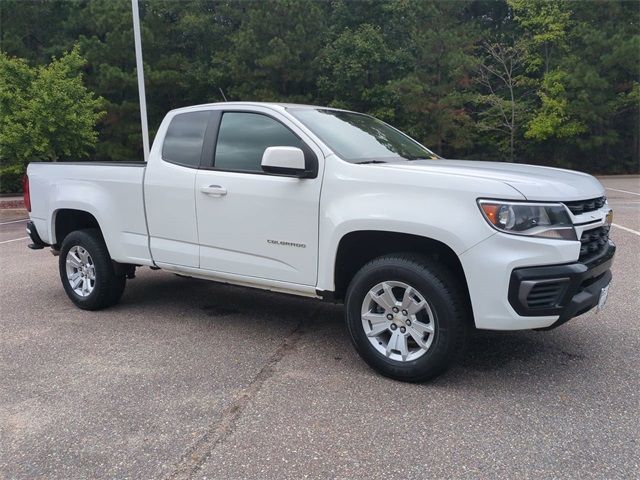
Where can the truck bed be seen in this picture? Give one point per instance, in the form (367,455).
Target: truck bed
(110,191)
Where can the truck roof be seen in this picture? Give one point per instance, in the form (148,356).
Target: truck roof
(274,105)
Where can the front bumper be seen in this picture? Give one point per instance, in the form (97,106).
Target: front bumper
(488,267)
(566,290)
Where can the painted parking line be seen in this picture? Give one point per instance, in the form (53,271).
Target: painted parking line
(14,221)
(626,229)
(623,191)
(14,240)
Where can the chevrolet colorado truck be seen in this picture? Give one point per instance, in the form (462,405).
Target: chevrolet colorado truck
(333,204)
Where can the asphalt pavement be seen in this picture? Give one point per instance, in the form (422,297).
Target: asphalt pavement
(192,379)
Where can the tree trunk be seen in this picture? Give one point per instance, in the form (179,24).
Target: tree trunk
(512,141)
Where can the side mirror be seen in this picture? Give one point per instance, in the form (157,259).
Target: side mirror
(285,161)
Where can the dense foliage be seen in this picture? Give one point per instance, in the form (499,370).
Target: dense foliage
(553,82)
(47,113)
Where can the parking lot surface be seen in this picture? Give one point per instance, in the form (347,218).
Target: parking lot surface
(192,379)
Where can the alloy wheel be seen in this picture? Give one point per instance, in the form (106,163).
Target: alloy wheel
(81,271)
(398,321)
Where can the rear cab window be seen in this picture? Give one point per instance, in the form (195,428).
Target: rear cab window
(185,137)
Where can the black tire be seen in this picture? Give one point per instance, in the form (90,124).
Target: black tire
(446,298)
(108,286)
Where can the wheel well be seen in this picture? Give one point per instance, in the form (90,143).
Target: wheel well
(68,220)
(358,248)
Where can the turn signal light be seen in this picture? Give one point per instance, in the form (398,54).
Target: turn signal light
(491,211)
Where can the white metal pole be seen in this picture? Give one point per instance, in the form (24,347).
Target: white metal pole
(140,69)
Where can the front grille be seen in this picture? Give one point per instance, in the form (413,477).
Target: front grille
(584,206)
(593,242)
(546,294)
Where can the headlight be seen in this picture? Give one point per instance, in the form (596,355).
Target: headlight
(548,220)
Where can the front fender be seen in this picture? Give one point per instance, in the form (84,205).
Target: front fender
(369,197)
(458,228)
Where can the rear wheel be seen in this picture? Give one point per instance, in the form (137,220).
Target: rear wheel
(406,316)
(87,272)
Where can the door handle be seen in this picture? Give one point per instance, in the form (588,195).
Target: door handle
(213,190)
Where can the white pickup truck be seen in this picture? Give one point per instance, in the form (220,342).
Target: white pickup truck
(332,204)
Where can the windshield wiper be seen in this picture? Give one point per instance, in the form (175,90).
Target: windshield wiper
(371,161)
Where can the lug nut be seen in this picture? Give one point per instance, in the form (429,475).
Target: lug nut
(389,317)
(402,329)
(394,326)
(395,309)
(408,322)
(404,312)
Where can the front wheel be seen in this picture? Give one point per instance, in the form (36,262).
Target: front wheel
(407,316)
(87,272)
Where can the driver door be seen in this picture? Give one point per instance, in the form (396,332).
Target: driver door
(254,223)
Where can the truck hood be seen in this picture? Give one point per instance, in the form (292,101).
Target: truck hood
(532,181)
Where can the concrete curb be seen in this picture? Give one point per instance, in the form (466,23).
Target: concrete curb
(11,203)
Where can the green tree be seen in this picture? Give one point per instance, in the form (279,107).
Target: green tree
(270,54)
(546,24)
(587,89)
(355,68)
(415,63)
(553,118)
(47,112)
(436,42)
(502,97)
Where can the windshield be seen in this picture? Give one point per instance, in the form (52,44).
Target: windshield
(359,138)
